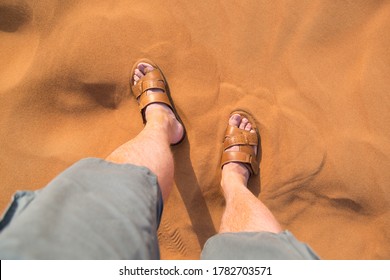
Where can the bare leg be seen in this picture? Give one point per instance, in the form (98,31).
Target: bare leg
(151,148)
(244,212)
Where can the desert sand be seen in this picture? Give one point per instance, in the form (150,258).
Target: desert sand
(315,74)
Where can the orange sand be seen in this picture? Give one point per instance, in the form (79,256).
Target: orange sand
(312,72)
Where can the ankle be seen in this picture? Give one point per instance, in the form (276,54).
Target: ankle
(234,176)
(157,114)
(235,171)
(160,116)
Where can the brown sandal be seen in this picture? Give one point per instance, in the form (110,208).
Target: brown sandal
(245,140)
(153,80)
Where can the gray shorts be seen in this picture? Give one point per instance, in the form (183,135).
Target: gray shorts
(93,210)
(257,246)
(100,210)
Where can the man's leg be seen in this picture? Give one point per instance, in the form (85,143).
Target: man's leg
(151,148)
(99,209)
(243,212)
(248,229)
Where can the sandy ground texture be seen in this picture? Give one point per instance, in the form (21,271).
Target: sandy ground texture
(315,74)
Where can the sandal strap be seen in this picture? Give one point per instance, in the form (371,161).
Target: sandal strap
(152,80)
(245,141)
(236,136)
(153,97)
(238,156)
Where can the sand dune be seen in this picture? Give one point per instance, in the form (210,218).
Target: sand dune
(313,73)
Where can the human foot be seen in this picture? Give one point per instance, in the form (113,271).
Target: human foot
(151,91)
(240,148)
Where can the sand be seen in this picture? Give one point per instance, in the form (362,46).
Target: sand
(313,73)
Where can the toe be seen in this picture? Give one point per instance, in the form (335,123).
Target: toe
(243,123)
(248,127)
(137,76)
(136,79)
(138,73)
(145,67)
(235,120)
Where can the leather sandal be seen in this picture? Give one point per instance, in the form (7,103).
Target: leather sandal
(245,141)
(153,80)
